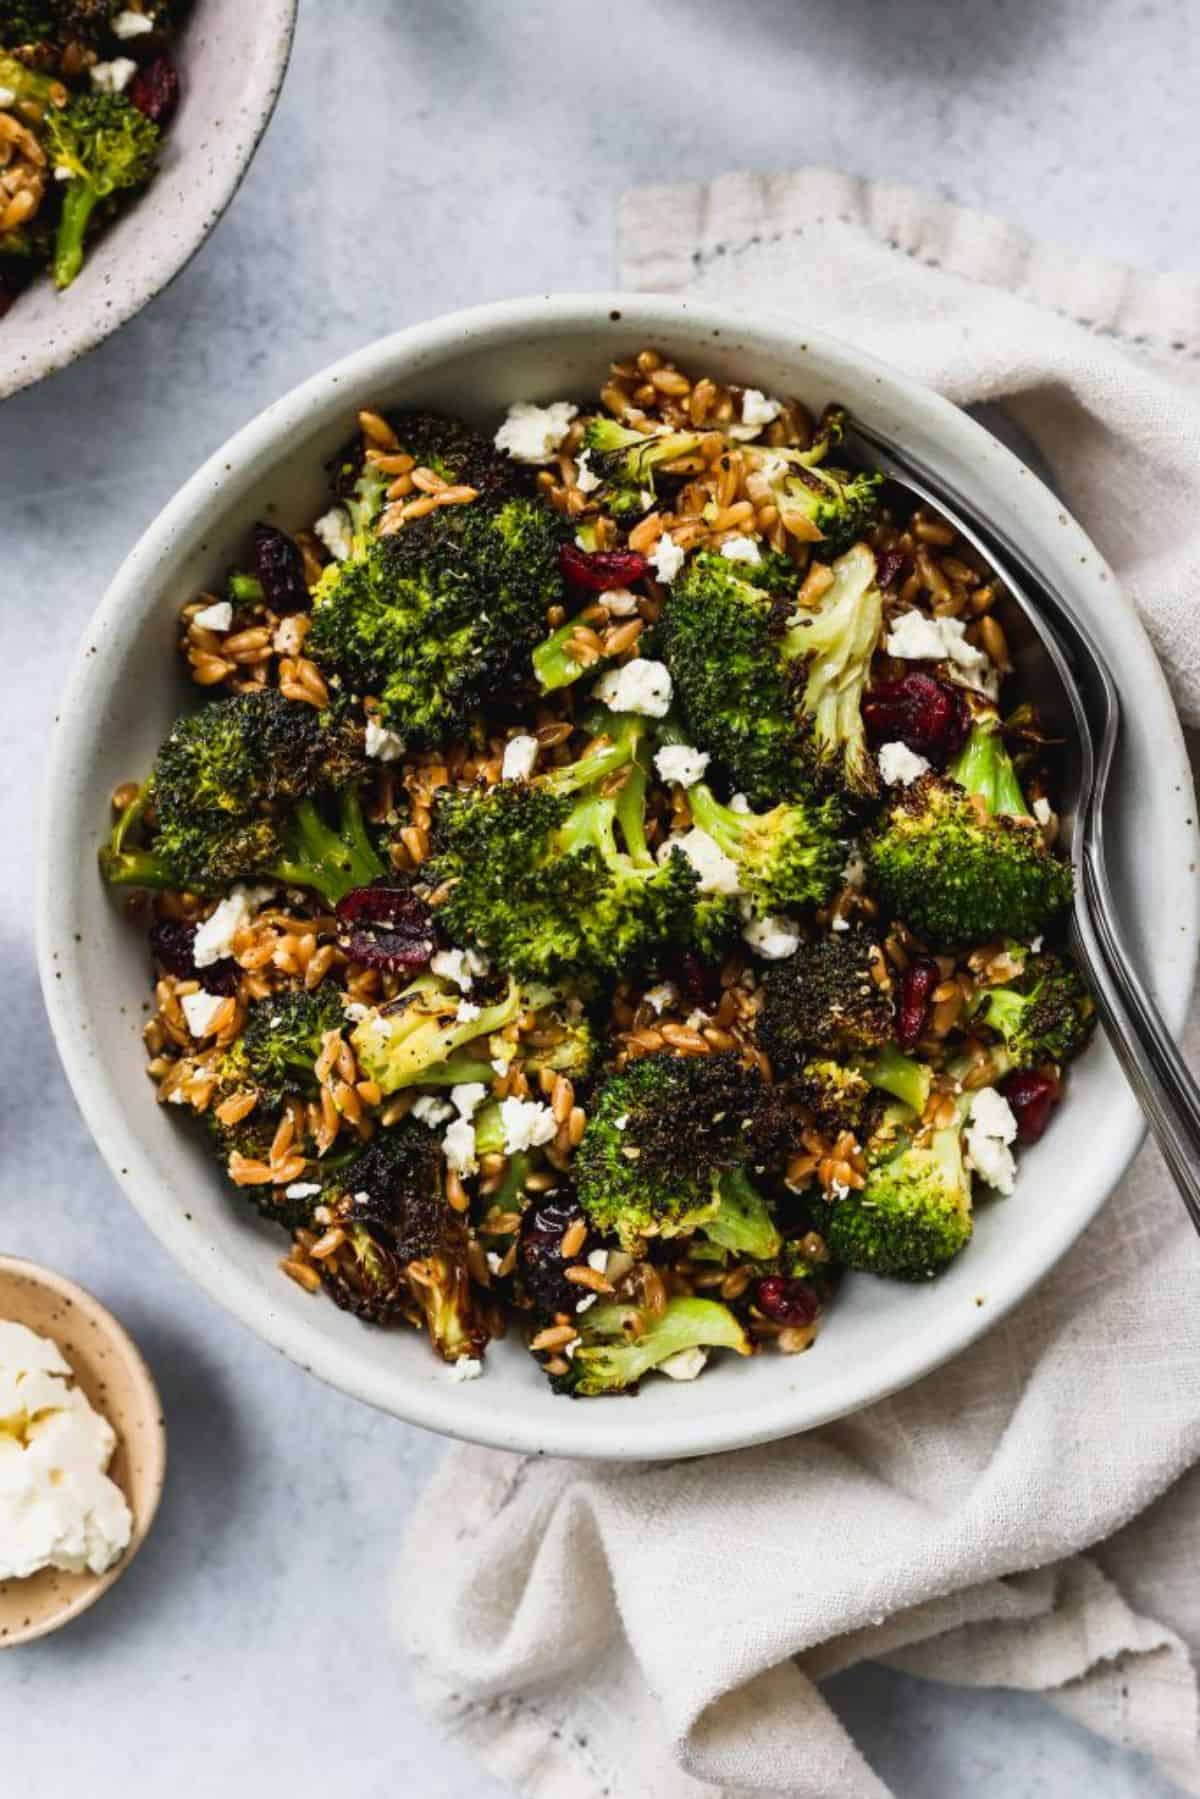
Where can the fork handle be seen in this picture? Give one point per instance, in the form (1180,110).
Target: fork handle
(1153,1066)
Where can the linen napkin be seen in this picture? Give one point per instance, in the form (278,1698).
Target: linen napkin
(1027,1516)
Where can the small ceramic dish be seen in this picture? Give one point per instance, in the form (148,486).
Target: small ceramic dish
(111,1372)
(232,61)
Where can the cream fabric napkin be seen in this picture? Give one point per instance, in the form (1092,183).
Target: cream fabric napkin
(1028,1516)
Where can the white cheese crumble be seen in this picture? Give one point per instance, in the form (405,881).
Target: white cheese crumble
(58,1508)
(598,1261)
(7,96)
(533,433)
(680,762)
(467,1097)
(586,478)
(666,559)
(917,638)
(302,1190)
(619,602)
(520,758)
(215,934)
(1041,810)
(526,1124)
(466,1368)
(839,923)
(662,996)
(382,744)
(113,77)
(718,872)
(459,965)
(217,617)
(855,872)
(62,172)
(991,1128)
(333,528)
(739,803)
(432,1112)
(685,1364)
(132,24)
(200,1009)
(758,409)
(899,765)
(741,549)
(638,686)
(773,938)
(467,1011)
(1036,944)
(458,1146)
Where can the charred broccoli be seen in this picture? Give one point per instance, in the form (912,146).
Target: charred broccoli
(1045,1014)
(621,1343)
(913,1215)
(826,999)
(850,1096)
(627,460)
(817,503)
(283,1036)
(787,857)
(108,146)
(417,1036)
(958,857)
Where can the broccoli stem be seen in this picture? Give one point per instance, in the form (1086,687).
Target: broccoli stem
(79,203)
(984,767)
(742,1223)
(331,862)
(726,828)
(895,1073)
(132,867)
(553,664)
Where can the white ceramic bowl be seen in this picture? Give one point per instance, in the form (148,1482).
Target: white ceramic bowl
(232,58)
(124,692)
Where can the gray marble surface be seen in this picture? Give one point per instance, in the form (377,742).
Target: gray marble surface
(423,157)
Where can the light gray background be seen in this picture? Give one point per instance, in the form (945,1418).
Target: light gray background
(425,157)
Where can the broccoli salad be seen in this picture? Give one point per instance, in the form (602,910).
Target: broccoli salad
(608,891)
(87,88)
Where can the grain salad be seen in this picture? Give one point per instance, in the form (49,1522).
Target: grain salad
(607,890)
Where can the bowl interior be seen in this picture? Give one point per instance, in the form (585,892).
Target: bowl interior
(232,59)
(115,1379)
(125,692)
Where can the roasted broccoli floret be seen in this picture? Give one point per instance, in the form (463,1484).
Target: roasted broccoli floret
(787,857)
(621,1343)
(818,503)
(283,1036)
(108,146)
(914,1213)
(959,859)
(446,446)
(554,875)
(437,616)
(234,793)
(849,1096)
(563,1040)
(666,1151)
(1045,1014)
(418,1035)
(406,1250)
(773,689)
(627,460)
(826,1000)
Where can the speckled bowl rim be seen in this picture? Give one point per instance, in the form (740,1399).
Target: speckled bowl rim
(156,1439)
(156,274)
(475,1410)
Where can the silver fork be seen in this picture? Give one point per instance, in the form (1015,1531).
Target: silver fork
(1157,1073)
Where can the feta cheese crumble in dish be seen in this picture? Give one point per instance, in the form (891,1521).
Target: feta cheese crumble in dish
(607,890)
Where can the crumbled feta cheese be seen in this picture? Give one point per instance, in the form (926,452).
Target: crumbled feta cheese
(459,965)
(113,77)
(533,433)
(855,872)
(757,409)
(619,602)
(718,872)
(520,758)
(467,1097)
(586,478)
(990,1129)
(666,559)
(467,1011)
(333,528)
(217,617)
(899,765)
(662,996)
(7,96)
(200,1009)
(589,1299)
(915,637)
(680,762)
(685,1364)
(839,922)
(381,743)
(215,934)
(1041,810)
(741,549)
(1035,946)
(302,1190)
(739,803)
(466,1368)
(431,1111)
(620,1123)
(63,173)
(637,686)
(58,1508)
(696,1020)
(526,1124)
(598,1261)
(132,24)
(356,1011)
(458,1147)
(773,938)
(494,1261)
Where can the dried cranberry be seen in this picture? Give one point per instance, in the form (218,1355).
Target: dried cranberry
(154,90)
(701,982)
(173,947)
(1033,1094)
(786,1301)
(386,927)
(888,564)
(280,568)
(916,995)
(540,1257)
(600,570)
(930,716)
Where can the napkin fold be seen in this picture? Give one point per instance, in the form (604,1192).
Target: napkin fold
(1026,1516)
